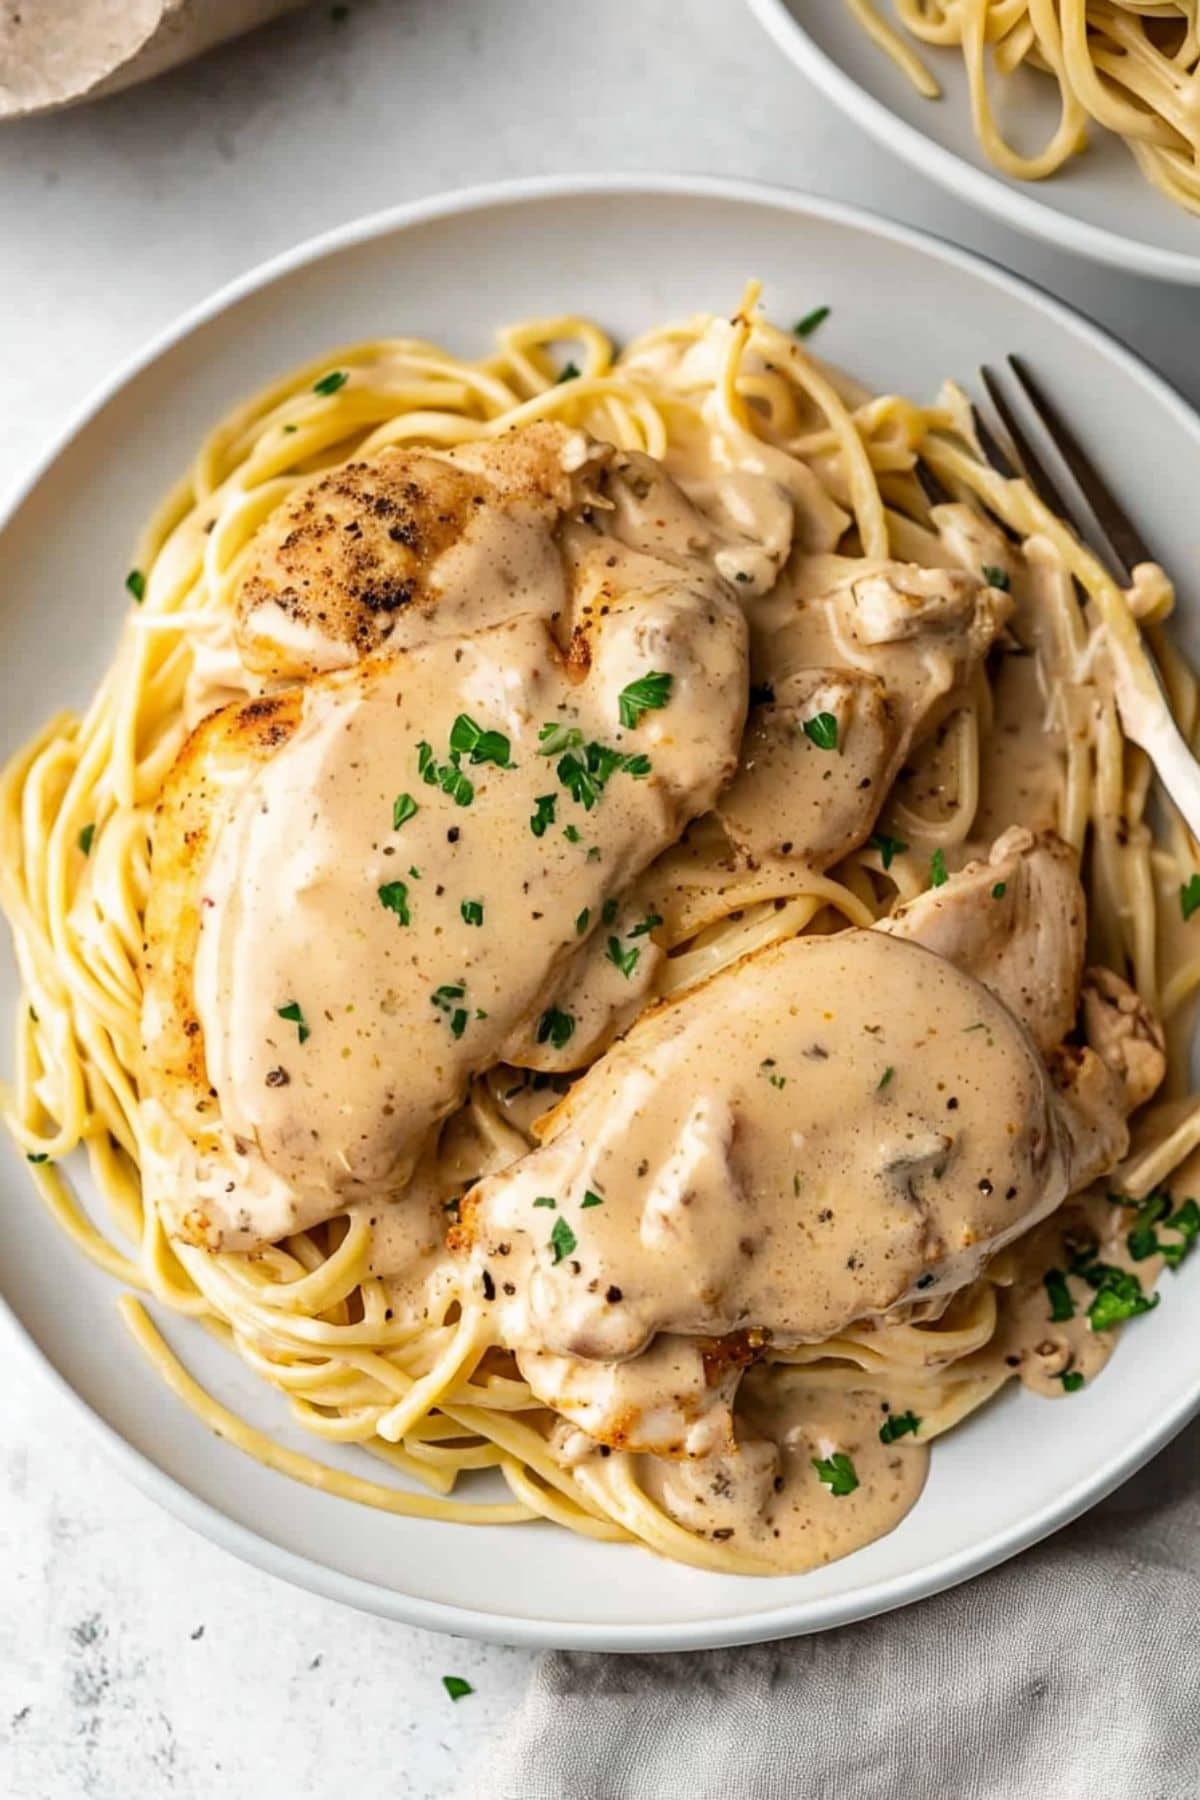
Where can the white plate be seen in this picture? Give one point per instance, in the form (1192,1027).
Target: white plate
(1100,205)
(631,250)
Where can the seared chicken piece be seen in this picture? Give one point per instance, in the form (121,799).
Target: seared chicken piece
(832,1131)
(391,549)
(1017,922)
(372,887)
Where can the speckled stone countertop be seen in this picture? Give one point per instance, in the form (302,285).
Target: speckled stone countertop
(136,1661)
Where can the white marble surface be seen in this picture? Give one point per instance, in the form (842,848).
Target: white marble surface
(135,1660)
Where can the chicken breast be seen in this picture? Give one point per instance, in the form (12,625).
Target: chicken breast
(829,1132)
(373,886)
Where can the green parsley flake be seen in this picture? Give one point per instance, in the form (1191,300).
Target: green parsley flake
(394,896)
(448,776)
(482,746)
(1119,1296)
(625,960)
(554,739)
(37,1156)
(443,996)
(896,1425)
(456,1687)
(562,1239)
(1189,896)
(135,582)
(822,730)
(84,840)
(581,923)
(1062,1306)
(647,924)
(472,912)
(546,1200)
(591,1198)
(569,373)
(555,1027)
(608,912)
(403,808)
(808,324)
(571,833)
(837,1472)
(1072,1381)
(458,1022)
(884,1079)
(888,847)
(999,891)
(294,1014)
(648,694)
(329,384)
(996,577)
(937,869)
(585,777)
(541,820)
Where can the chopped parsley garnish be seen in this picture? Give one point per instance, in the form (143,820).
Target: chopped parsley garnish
(458,1022)
(553,739)
(1118,1296)
(767,1067)
(822,730)
(888,847)
(996,577)
(647,924)
(562,1239)
(999,891)
(329,384)
(591,1198)
(647,694)
(937,868)
(482,746)
(808,324)
(555,1027)
(1186,1221)
(593,854)
(541,820)
(84,840)
(569,373)
(608,912)
(581,923)
(571,833)
(1142,1240)
(1072,1381)
(456,1687)
(837,1472)
(546,1200)
(135,582)
(443,997)
(585,777)
(1189,896)
(394,895)
(448,775)
(294,1014)
(403,807)
(37,1156)
(884,1079)
(896,1425)
(625,960)
(472,912)
(1062,1306)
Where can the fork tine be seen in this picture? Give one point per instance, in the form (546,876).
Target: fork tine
(990,444)
(1126,542)
(1036,471)
(933,489)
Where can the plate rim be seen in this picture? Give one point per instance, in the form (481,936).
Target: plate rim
(769,1623)
(974,185)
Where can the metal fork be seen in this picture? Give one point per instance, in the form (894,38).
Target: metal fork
(1140,690)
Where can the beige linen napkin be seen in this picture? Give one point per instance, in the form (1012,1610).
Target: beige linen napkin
(1072,1673)
(56,52)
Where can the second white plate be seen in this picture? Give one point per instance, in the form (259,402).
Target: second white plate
(1100,205)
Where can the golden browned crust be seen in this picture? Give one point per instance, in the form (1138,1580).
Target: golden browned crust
(352,551)
(214,764)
